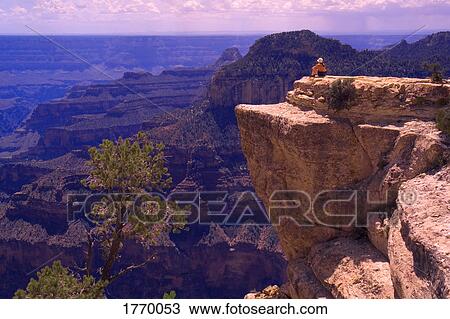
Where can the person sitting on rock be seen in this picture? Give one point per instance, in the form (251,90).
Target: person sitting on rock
(319,69)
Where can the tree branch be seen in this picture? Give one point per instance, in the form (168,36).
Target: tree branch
(132,267)
(89,255)
(117,241)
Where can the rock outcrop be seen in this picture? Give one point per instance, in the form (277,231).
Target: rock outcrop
(369,217)
(270,292)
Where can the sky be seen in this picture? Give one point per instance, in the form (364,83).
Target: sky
(222,16)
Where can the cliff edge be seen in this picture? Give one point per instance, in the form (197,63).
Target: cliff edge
(365,211)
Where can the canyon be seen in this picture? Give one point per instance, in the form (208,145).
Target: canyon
(45,160)
(366,211)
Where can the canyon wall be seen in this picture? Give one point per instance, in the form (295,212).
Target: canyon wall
(202,269)
(368,209)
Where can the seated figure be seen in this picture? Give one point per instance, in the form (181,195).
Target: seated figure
(319,70)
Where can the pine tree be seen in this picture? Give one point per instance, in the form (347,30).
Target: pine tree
(128,166)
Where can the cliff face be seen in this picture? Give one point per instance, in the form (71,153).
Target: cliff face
(386,148)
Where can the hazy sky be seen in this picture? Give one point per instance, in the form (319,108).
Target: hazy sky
(222,16)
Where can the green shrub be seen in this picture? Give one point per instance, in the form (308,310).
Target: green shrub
(170,295)
(420,101)
(436,72)
(443,101)
(443,120)
(341,94)
(58,282)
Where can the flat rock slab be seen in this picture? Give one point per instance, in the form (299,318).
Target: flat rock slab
(376,97)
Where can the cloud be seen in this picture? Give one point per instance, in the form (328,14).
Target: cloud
(92,7)
(325,5)
(55,7)
(19,11)
(193,5)
(292,7)
(155,16)
(120,6)
(357,5)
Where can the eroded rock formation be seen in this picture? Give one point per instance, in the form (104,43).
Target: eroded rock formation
(383,230)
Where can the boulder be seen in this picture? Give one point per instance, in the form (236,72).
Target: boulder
(352,268)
